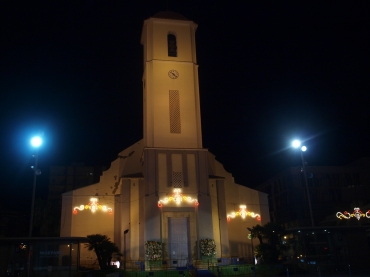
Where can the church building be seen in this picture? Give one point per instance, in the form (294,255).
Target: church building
(166,187)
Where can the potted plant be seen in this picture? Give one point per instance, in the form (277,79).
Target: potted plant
(153,253)
(207,248)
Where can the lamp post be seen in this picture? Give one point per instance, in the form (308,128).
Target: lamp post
(296,144)
(124,248)
(35,142)
(251,237)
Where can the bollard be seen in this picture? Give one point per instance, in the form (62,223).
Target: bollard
(287,272)
(349,269)
(318,269)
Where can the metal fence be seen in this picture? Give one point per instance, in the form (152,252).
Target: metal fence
(169,264)
(157,265)
(234,267)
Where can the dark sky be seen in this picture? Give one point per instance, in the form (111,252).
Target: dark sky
(269,71)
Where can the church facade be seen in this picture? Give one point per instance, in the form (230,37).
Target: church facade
(166,187)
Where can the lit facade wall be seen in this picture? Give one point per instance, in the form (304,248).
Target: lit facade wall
(140,186)
(157,84)
(230,196)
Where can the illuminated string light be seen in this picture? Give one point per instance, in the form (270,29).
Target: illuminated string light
(243,213)
(357,213)
(177,197)
(93,206)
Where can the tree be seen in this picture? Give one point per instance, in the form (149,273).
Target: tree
(270,250)
(257,232)
(104,249)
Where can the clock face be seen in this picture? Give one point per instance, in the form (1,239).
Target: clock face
(173,74)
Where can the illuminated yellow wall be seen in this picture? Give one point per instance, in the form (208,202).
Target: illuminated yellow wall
(155,31)
(236,195)
(215,216)
(134,220)
(162,170)
(144,173)
(84,222)
(191,170)
(169,161)
(157,84)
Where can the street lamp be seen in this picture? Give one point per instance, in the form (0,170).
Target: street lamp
(35,142)
(251,237)
(296,144)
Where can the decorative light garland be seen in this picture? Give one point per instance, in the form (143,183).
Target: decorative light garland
(177,197)
(93,206)
(357,213)
(243,213)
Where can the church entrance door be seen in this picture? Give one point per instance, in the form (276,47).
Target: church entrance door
(178,238)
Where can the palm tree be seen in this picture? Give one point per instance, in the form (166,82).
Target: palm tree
(109,249)
(257,232)
(269,251)
(104,249)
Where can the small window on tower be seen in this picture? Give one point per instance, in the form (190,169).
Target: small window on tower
(172,46)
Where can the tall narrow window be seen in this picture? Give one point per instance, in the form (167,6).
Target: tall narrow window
(177,168)
(172,46)
(177,179)
(175,121)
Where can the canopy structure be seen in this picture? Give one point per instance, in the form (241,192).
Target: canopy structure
(40,256)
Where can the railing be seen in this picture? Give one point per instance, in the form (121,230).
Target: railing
(223,267)
(158,265)
(171,264)
(162,268)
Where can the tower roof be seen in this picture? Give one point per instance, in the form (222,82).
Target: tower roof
(170,15)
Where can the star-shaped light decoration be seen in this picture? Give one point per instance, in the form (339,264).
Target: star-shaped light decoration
(243,213)
(357,213)
(177,197)
(93,206)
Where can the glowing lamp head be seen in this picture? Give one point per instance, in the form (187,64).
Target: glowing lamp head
(303,148)
(296,143)
(36,141)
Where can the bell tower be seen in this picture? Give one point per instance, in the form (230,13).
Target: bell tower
(170,83)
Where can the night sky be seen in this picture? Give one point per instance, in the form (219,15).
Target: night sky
(269,72)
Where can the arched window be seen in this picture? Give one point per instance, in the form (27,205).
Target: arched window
(172,46)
